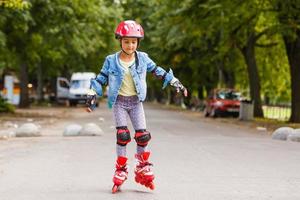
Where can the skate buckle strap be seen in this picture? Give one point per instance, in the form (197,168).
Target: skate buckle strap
(145,170)
(121,168)
(145,164)
(122,175)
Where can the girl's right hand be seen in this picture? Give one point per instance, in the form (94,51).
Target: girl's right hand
(91,100)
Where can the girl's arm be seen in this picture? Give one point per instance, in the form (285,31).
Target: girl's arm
(101,79)
(158,72)
(167,77)
(96,86)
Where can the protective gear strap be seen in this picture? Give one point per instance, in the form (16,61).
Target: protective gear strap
(162,77)
(103,74)
(98,81)
(142,137)
(123,135)
(153,70)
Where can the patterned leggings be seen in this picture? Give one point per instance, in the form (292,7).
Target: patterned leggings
(132,107)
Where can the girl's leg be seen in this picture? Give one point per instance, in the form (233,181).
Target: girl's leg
(143,171)
(123,137)
(120,116)
(137,117)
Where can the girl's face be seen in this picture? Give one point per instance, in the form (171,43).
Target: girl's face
(129,45)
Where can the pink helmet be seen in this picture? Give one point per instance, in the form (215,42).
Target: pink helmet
(129,28)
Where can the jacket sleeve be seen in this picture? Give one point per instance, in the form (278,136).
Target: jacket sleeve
(159,72)
(101,79)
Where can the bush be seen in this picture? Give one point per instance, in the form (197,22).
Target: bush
(6,107)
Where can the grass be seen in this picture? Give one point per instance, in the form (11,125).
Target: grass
(277,112)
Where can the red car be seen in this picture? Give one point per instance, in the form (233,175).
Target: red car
(221,102)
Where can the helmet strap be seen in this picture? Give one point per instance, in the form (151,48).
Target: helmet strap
(125,51)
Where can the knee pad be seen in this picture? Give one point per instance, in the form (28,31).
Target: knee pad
(123,135)
(142,137)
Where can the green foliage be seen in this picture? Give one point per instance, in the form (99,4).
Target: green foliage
(274,71)
(6,107)
(14,4)
(179,41)
(199,39)
(64,36)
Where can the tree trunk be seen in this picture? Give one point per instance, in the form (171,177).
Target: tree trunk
(40,96)
(293,53)
(169,99)
(249,54)
(229,78)
(24,98)
(221,81)
(200,92)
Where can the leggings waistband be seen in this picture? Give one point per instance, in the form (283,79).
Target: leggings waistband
(128,98)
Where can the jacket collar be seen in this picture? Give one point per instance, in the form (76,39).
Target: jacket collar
(117,55)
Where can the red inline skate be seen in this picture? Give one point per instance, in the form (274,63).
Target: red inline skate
(121,173)
(143,173)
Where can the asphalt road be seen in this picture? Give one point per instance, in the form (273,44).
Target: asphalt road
(193,157)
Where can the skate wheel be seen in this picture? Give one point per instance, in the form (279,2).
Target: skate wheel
(115,189)
(150,185)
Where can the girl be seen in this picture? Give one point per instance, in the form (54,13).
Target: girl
(125,72)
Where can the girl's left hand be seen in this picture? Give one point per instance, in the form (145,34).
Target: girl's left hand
(179,87)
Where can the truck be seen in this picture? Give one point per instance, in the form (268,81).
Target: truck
(75,90)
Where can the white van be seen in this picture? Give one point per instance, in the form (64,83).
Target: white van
(76,90)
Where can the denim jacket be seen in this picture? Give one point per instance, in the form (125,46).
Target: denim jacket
(112,74)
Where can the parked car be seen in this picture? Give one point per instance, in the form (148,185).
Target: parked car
(76,90)
(222,102)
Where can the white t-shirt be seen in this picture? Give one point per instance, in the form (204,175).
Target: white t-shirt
(127,87)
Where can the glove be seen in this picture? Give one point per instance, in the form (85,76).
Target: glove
(91,100)
(179,87)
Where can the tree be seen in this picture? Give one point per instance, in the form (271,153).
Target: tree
(58,35)
(289,18)
(15,27)
(180,41)
(14,4)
